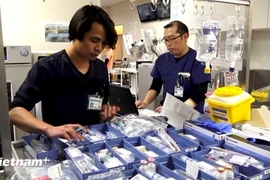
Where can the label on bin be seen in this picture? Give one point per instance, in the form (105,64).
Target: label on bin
(118,169)
(257,178)
(237,159)
(55,171)
(220,114)
(192,169)
(267,171)
(74,152)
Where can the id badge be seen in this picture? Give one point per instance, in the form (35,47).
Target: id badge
(94,103)
(178,91)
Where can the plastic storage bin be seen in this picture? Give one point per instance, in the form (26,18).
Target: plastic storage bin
(247,173)
(51,154)
(131,173)
(176,158)
(105,128)
(204,141)
(75,167)
(184,144)
(162,170)
(120,143)
(230,104)
(138,141)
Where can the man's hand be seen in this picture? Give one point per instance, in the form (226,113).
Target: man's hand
(108,112)
(141,104)
(67,131)
(158,109)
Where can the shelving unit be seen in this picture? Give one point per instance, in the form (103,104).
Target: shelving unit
(134,80)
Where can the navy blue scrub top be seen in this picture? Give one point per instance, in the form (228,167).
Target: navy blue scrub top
(167,68)
(64,90)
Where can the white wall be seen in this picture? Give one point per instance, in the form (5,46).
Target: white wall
(123,15)
(260,52)
(22,20)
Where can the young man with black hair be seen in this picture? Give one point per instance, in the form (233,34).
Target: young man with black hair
(72,84)
(178,71)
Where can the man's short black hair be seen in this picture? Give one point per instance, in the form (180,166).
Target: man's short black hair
(82,22)
(181,27)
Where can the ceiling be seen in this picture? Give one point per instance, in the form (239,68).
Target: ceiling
(106,3)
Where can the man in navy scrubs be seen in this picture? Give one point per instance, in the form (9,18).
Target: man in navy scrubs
(72,84)
(178,71)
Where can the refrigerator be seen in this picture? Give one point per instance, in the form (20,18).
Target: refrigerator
(144,82)
(18,62)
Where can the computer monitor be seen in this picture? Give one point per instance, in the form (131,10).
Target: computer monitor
(122,97)
(145,12)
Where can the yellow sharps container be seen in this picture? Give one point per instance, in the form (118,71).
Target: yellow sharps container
(230,104)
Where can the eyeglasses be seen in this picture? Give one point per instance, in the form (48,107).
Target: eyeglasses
(170,39)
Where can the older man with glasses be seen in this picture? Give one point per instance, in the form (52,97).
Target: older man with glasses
(178,71)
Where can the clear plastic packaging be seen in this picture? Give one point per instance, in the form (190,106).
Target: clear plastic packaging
(155,176)
(231,78)
(203,166)
(106,158)
(207,39)
(93,136)
(183,174)
(125,154)
(108,176)
(159,144)
(167,139)
(230,157)
(39,145)
(261,94)
(145,151)
(46,172)
(132,125)
(163,141)
(234,46)
(190,137)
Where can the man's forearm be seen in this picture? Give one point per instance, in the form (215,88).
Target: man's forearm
(190,103)
(24,120)
(150,97)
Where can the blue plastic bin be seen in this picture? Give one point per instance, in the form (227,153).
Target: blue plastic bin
(103,128)
(250,172)
(51,154)
(205,141)
(138,141)
(131,173)
(202,175)
(119,143)
(162,170)
(96,147)
(184,144)
(81,175)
